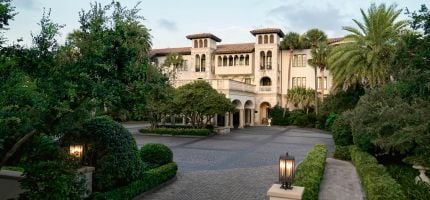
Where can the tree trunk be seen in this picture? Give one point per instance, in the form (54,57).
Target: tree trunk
(322,83)
(316,91)
(289,77)
(16,146)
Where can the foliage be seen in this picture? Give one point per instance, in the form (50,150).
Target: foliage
(329,120)
(150,179)
(300,118)
(341,101)
(405,176)
(171,64)
(199,102)
(7,13)
(376,181)
(13,168)
(342,152)
(291,41)
(310,172)
(179,131)
(364,58)
(421,19)
(314,36)
(158,154)
(301,97)
(279,115)
(112,150)
(341,131)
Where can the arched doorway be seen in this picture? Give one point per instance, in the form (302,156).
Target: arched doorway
(264,113)
(236,114)
(249,115)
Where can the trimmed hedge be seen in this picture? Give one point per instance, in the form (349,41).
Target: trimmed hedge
(341,131)
(342,153)
(158,154)
(178,131)
(310,172)
(149,180)
(376,181)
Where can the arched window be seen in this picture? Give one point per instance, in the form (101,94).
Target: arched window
(230,61)
(219,61)
(236,60)
(269,60)
(241,60)
(265,39)
(247,60)
(197,61)
(196,44)
(224,61)
(272,39)
(203,65)
(260,39)
(206,42)
(265,81)
(200,43)
(262,60)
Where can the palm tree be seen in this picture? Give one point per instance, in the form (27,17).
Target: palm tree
(364,57)
(172,63)
(291,41)
(313,37)
(319,60)
(302,97)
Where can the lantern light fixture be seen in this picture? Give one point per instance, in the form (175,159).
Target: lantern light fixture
(286,171)
(76,150)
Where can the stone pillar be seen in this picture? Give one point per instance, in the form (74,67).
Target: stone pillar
(226,119)
(231,120)
(277,193)
(241,118)
(252,117)
(87,173)
(215,120)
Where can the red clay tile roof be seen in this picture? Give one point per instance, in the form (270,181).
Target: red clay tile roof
(165,51)
(334,40)
(235,48)
(204,35)
(268,30)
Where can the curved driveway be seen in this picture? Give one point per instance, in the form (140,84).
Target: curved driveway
(239,165)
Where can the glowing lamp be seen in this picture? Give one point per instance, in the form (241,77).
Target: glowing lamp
(76,150)
(286,171)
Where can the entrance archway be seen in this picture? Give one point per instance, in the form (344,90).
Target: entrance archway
(236,114)
(249,109)
(264,113)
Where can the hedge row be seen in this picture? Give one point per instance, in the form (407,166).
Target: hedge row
(310,172)
(150,180)
(342,153)
(377,182)
(178,131)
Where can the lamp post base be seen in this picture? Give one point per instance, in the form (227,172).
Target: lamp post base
(277,193)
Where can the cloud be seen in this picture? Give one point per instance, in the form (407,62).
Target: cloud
(299,17)
(167,24)
(26,4)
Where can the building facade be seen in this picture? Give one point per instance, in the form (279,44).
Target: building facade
(254,76)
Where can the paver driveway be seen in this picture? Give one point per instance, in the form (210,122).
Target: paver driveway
(239,165)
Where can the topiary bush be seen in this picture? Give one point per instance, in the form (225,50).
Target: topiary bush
(342,153)
(341,131)
(154,153)
(113,152)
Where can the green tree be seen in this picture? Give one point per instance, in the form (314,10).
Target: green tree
(200,102)
(171,65)
(7,13)
(364,57)
(319,60)
(313,37)
(291,41)
(302,97)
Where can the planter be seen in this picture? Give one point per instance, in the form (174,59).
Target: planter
(422,177)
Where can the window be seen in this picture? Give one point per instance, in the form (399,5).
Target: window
(224,61)
(299,60)
(236,58)
(248,80)
(200,43)
(320,83)
(206,43)
(247,60)
(196,44)
(260,39)
(230,61)
(269,60)
(262,60)
(241,60)
(265,81)
(265,39)
(203,65)
(219,61)
(197,62)
(299,81)
(183,66)
(272,39)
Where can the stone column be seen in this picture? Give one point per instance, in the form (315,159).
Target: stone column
(226,119)
(241,118)
(231,120)
(252,117)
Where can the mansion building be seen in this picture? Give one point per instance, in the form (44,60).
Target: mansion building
(254,76)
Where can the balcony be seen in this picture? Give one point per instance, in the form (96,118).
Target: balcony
(222,85)
(265,88)
(233,70)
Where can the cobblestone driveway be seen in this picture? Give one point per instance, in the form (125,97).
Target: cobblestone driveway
(237,166)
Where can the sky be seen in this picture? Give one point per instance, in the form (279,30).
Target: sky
(170,21)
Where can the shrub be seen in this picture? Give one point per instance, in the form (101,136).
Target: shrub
(405,176)
(310,172)
(300,118)
(329,120)
(178,131)
(13,168)
(113,152)
(341,131)
(156,154)
(342,153)
(150,179)
(279,115)
(376,181)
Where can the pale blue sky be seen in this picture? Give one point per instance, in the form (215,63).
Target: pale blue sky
(231,20)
